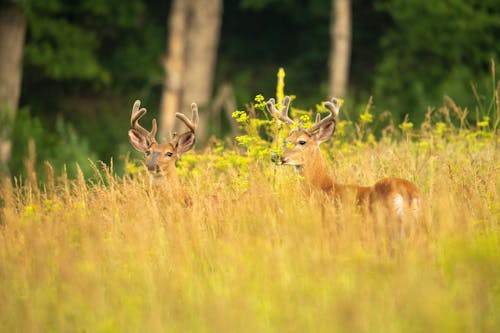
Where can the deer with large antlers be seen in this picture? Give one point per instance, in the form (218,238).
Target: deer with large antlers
(160,158)
(398,198)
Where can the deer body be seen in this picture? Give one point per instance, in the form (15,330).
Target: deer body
(394,197)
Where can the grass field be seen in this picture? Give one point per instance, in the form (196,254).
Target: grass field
(253,253)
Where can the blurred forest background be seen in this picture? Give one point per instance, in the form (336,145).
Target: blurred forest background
(70,70)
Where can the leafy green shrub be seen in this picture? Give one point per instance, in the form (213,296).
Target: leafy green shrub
(63,147)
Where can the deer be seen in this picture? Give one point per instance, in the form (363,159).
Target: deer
(160,158)
(398,198)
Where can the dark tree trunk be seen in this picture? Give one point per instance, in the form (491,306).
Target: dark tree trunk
(12,34)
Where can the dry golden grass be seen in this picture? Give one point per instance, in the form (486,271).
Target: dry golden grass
(115,255)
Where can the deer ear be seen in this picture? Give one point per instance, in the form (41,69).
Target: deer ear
(325,131)
(138,141)
(185,142)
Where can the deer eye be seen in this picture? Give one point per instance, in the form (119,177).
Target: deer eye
(169,154)
(147,152)
(302,142)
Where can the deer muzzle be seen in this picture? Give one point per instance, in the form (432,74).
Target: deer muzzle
(152,162)
(274,157)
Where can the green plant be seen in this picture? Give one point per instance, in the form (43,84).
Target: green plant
(62,146)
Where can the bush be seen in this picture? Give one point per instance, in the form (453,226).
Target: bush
(33,143)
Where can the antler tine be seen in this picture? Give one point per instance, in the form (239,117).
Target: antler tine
(284,111)
(193,123)
(318,118)
(318,122)
(137,113)
(333,107)
(153,128)
(283,115)
(271,108)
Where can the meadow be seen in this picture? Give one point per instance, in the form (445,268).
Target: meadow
(253,253)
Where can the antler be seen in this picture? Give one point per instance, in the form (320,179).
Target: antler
(283,115)
(333,106)
(134,122)
(193,123)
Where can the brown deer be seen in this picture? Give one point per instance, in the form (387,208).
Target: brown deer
(160,157)
(395,197)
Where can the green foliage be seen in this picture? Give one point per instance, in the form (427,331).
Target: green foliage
(93,41)
(62,147)
(63,49)
(434,48)
(291,34)
(82,57)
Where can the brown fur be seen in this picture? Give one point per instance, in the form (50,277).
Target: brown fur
(160,158)
(394,196)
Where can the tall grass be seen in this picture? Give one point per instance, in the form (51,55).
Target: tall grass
(253,253)
(116,255)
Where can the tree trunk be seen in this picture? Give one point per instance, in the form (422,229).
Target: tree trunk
(201,56)
(173,65)
(190,63)
(340,52)
(12,34)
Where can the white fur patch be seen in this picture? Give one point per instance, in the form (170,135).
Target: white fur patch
(155,180)
(398,204)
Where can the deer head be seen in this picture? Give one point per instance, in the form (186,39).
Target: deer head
(302,145)
(160,158)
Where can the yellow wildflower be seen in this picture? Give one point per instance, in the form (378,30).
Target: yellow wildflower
(280,86)
(484,123)
(406,126)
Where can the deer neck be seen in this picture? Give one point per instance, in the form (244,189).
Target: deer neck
(315,172)
(168,178)
(170,183)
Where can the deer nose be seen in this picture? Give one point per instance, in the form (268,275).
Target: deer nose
(154,168)
(275,158)
(152,163)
